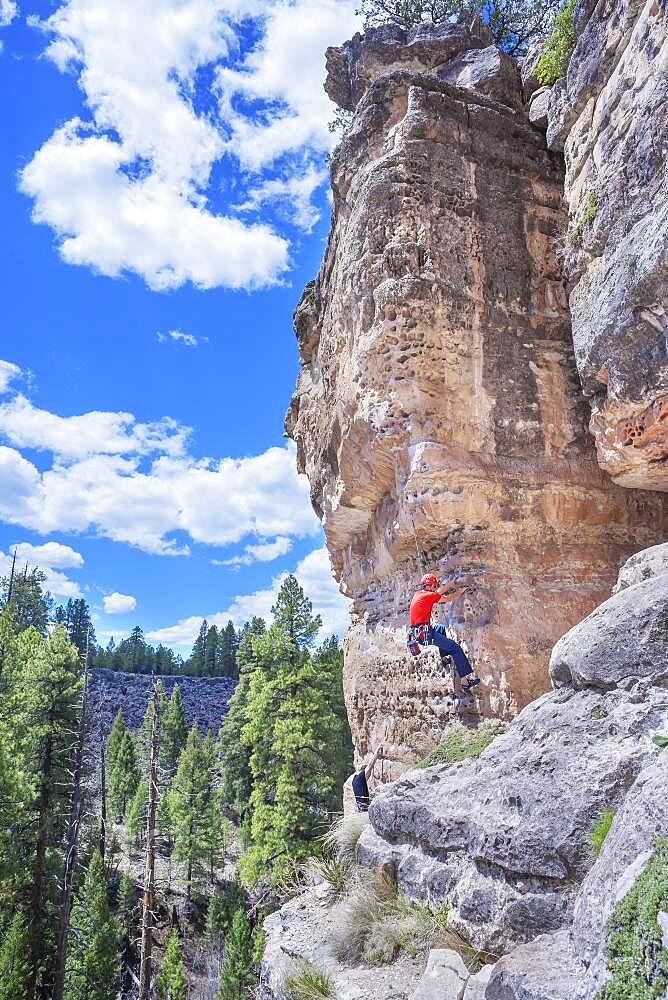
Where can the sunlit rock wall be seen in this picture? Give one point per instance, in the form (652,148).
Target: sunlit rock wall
(438,395)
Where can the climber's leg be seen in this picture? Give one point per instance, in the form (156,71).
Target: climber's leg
(448,647)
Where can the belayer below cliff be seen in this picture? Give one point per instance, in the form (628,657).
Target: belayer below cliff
(421,632)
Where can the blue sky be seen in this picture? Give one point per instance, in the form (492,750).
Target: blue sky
(163,203)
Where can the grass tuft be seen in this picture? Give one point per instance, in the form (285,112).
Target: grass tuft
(305,981)
(337,872)
(460,742)
(600,830)
(343,835)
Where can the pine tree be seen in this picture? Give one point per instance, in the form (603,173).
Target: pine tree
(135,814)
(235,775)
(93,958)
(49,689)
(192,809)
(227,650)
(236,975)
(123,776)
(171,983)
(29,605)
(195,664)
(174,733)
(222,906)
(115,738)
(75,617)
(291,728)
(137,651)
(14,961)
(210,668)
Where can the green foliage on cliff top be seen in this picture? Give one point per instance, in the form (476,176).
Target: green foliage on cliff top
(459,742)
(306,981)
(636,958)
(558,48)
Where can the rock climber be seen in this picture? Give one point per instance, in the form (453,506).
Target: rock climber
(421,632)
(361,779)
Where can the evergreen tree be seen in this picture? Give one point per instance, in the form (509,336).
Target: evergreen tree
(210,668)
(29,605)
(222,906)
(137,650)
(75,618)
(14,961)
(235,775)
(195,665)
(123,776)
(338,753)
(173,734)
(193,810)
(135,814)
(93,957)
(292,731)
(50,704)
(227,650)
(171,983)
(115,739)
(236,975)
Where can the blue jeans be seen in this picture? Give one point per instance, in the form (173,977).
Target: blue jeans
(449,647)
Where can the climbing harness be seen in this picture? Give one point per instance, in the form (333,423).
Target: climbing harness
(418,636)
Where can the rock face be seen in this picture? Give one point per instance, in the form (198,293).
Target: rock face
(505,838)
(438,398)
(204,698)
(610,116)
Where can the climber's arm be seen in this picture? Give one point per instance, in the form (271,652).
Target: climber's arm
(368,770)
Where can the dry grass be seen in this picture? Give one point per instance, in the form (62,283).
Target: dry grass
(337,872)
(343,835)
(306,981)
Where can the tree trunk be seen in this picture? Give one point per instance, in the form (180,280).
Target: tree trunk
(145,964)
(37,892)
(72,843)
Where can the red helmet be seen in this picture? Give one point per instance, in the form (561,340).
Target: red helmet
(429,580)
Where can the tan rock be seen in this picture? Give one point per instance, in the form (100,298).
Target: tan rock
(439,395)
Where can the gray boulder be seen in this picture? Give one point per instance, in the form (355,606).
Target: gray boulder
(544,969)
(444,978)
(489,71)
(538,109)
(643,566)
(623,641)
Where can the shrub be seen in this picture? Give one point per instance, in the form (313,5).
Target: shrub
(306,981)
(588,215)
(634,952)
(558,47)
(600,830)
(460,742)
(379,922)
(344,833)
(337,872)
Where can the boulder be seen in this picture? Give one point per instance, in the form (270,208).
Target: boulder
(544,969)
(538,108)
(477,984)
(489,71)
(643,566)
(444,978)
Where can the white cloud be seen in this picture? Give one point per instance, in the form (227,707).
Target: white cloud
(8,372)
(188,339)
(130,188)
(314,574)
(119,604)
(93,433)
(51,554)
(8,11)
(292,195)
(46,557)
(264,552)
(214,502)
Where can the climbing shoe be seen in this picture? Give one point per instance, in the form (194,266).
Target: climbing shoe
(467,685)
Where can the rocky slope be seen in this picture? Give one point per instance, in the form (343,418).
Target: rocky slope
(438,399)
(204,698)
(610,117)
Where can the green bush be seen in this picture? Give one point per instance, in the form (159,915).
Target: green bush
(460,742)
(306,981)
(634,952)
(337,872)
(600,830)
(588,215)
(558,48)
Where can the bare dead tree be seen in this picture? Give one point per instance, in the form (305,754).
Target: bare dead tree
(76,813)
(145,962)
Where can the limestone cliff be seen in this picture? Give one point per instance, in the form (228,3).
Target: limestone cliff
(610,116)
(438,398)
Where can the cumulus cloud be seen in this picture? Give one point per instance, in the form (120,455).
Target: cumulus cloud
(8,11)
(129,188)
(217,502)
(119,604)
(264,552)
(96,432)
(314,574)
(49,558)
(8,372)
